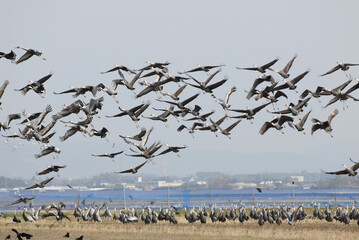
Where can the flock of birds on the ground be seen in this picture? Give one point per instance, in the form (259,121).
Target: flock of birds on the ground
(263,215)
(173,106)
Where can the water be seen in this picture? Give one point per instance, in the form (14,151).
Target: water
(179,198)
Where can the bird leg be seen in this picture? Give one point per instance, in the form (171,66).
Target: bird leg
(178,155)
(166,125)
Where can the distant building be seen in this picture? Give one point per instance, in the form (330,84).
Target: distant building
(240,185)
(169,184)
(297,178)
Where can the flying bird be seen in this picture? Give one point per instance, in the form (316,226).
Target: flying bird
(284,72)
(21,235)
(351,171)
(341,66)
(326,125)
(10,56)
(51,168)
(200,68)
(133,170)
(40,184)
(37,86)
(21,199)
(109,155)
(47,151)
(2,89)
(29,53)
(262,68)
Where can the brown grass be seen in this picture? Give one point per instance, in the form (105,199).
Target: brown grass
(110,229)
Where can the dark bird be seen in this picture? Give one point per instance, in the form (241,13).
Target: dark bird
(137,137)
(275,123)
(102,133)
(182,104)
(284,72)
(22,235)
(109,155)
(257,81)
(29,53)
(292,83)
(224,103)
(67,235)
(21,199)
(262,68)
(15,218)
(249,113)
(351,171)
(294,109)
(259,189)
(300,126)
(326,125)
(74,107)
(192,129)
(118,68)
(213,127)
(172,149)
(2,89)
(341,66)
(175,95)
(344,96)
(10,56)
(6,125)
(133,113)
(51,168)
(227,130)
(80,238)
(40,184)
(207,88)
(72,131)
(200,68)
(153,65)
(155,86)
(81,90)
(37,86)
(47,151)
(133,170)
(129,85)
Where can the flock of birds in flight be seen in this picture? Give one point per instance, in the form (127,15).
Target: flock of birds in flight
(174,106)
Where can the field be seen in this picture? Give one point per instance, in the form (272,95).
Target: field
(109,229)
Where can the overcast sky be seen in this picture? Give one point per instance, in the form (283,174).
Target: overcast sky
(80,39)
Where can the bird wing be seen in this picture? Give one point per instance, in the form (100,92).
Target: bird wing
(137,76)
(265,66)
(181,128)
(232,90)
(331,70)
(33,186)
(265,127)
(217,84)
(332,115)
(46,181)
(44,79)
(299,77)
(3,87)
(248,68)
(141,134)
(289,65)
(341,172)
(355,87)
(281,87)
(24,57)
(139,166)
(333,100)
(46,171)
(188,100)
(341,87)
(282,112)
(304,119)
(212,76)
(257,109)
(228,129)
(355,166)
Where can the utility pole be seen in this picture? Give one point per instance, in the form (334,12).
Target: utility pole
(335,191)
(124,194)
(253,194)
(293,192)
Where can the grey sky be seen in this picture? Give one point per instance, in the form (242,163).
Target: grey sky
(80,39)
